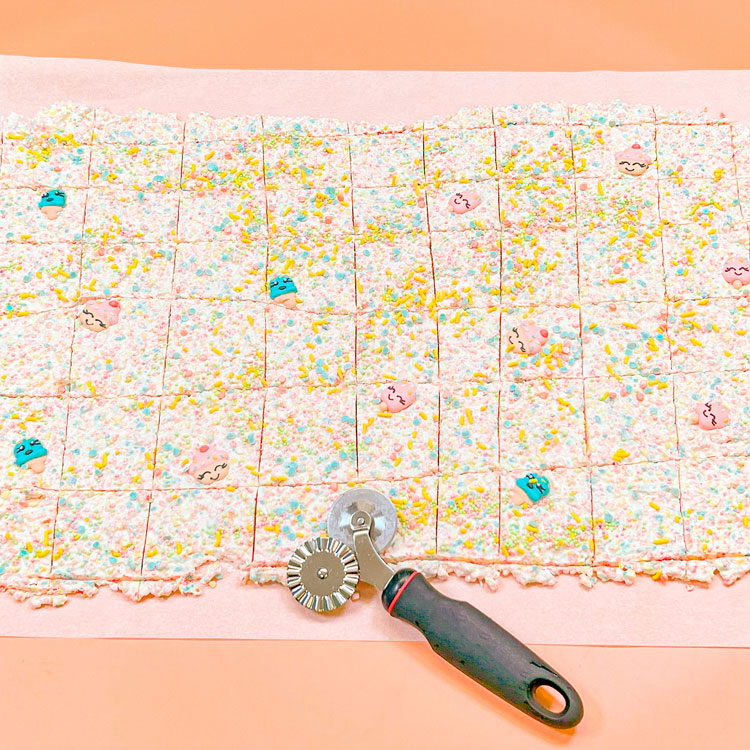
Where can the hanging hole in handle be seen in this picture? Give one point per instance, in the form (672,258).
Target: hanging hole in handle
(549,698)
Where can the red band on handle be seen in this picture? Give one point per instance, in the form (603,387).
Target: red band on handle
(401,591)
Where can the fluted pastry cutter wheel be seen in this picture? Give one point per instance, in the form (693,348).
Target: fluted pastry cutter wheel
(323,573)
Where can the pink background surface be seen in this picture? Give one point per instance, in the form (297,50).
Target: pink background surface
(282,695)
(646,614)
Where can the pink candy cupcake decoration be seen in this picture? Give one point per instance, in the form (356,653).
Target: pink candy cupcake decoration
(98,314)
(633,161)
(528,338)
(397,397)
(209,464)
(710,415)
(463,201)
(737,272)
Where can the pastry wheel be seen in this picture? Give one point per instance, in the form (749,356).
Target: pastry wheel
(323,573)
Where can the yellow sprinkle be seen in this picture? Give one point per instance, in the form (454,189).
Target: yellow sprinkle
(654,505)
(661,541)
(217,543)
(620,455)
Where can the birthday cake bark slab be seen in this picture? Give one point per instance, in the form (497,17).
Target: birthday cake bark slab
(528,326)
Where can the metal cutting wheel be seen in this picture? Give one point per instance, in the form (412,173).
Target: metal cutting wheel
(322,574)
(372,502)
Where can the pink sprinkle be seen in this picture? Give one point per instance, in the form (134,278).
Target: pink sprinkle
(639,395)
(584,186)
(612,307)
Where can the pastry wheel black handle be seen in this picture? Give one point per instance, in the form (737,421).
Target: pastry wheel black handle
(480,648)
